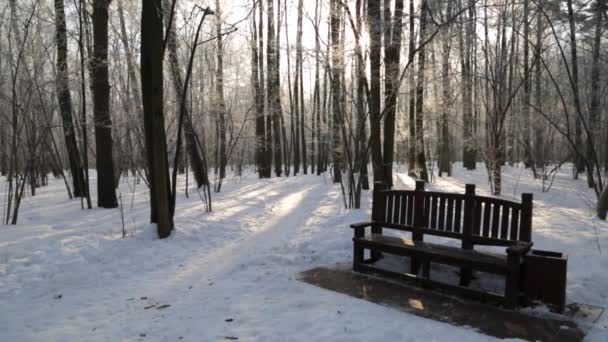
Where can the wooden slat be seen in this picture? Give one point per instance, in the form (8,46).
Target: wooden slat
(477,219)
(450,215)
(403,208)
(396,207)
(458,216)
(486,219)
(408,228)
(389,207)
(427,210)
(441,220)
(504,226)
(410,210)
(434,213)
(495,220)
(514,224)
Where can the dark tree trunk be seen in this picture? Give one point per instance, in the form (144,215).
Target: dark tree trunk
(445,164)
(65,102)
(527,88)
(83,104)
(336,89)
(420,153)
(106,187)
(219,90)
(154,123)
(301,110)
(602,204)
(318,107)
(579,162)
(594,106)
(469,153)
(272,91)
(539,158)
(257,75)
(392,49)
(296,93)
(374,27)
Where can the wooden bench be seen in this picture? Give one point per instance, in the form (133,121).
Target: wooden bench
(474,220)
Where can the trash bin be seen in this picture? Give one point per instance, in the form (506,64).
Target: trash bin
(545,278)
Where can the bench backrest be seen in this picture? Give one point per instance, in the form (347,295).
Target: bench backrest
(477,220)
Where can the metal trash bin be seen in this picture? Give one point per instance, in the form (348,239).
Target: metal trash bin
(545,278)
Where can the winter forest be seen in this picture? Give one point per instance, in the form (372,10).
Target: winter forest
(210,145)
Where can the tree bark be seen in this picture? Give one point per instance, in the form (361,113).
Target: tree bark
(374,27)
(392,49)
(469,153)
(445,164)
(219,90)
(273,89)
(106,186)
(420,152)
(579,163)
(65,102)
(594,106)
(301,110)
(336,89)
(154,123)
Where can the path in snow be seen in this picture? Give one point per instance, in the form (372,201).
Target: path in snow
(237,263)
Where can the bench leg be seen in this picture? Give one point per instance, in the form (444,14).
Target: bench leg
(466,274)
(512,282)
(415,263)
(426,269)
(376,255)
(357,255)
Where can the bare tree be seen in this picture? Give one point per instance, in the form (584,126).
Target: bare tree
(65,102)
(106,187)
(151,72)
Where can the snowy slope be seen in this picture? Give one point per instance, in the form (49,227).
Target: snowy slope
(67,275)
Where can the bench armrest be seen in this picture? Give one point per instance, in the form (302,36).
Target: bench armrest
(360,225)
(520,248)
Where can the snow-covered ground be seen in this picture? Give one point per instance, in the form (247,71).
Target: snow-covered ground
(67,274)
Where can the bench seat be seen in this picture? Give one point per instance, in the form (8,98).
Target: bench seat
(431,252)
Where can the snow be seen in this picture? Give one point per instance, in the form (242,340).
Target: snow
(67,274)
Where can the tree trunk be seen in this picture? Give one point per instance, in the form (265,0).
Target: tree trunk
(106,187)
(296,95)
(65,102)
(539,158)
(420,153)
(602,204)
(594,106)
(411,155)
(219,90)
(579,162)
(392,49)
(374,27)
(469,153)
(272,91)
(336,89)
(257,75)
(527,88)
(318,107)
(300,79)
(154,122)
(445,164)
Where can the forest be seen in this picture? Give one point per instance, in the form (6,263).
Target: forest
(137,115)
(371,84)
